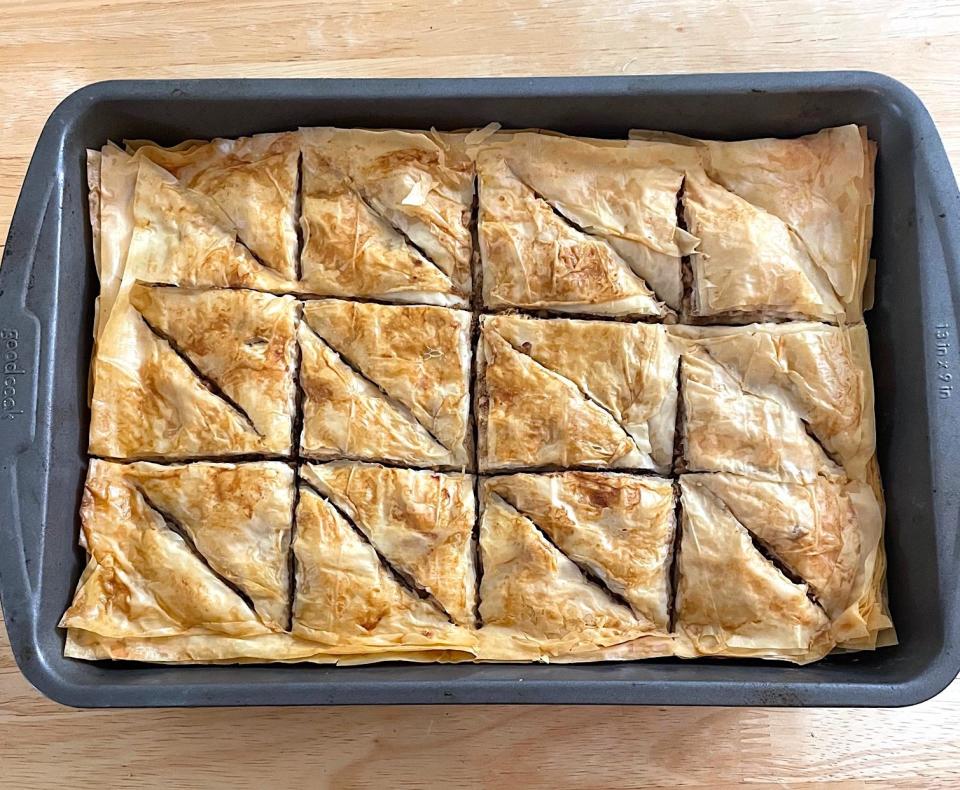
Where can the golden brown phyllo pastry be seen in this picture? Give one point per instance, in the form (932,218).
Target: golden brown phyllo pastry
(181,236)
(732,600)
(385,383)
(618,527)
(351,596)
(184,550)
(183,373)
(784,226)
(778,401)
(826,533)
(570,226)
(386,215)
(574,564)
(383,395)
(564,392)
(254,180)
(778,570)
(421,522)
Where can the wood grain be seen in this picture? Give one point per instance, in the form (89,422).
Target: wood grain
(48,48)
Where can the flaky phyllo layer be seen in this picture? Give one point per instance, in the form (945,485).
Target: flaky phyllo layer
(365,395)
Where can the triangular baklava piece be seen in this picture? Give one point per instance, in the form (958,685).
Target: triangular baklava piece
(531,416)
(359,241)
(345,415)
(821,186)
(421,184)
(534,259)
(749,262)
(143,579)
(535,603)
(182,373)
(254,180)
(183,237)
(779,401)
(619,527)
(347,598)
(731,599)
(418,356)
(628,370)
(826,533)
(237,516)
(243,341)
(565,222)
(420,521)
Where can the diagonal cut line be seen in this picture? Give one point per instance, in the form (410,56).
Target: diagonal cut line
(205,380)
(769,554)
(586,395)
(674,577)
(588,574)
(402,409)
(416,248)
(175,526)
(735,376)
(569,222)
(808,428)
(259,261)
(405,580)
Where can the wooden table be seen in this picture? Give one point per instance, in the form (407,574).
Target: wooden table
(50,47)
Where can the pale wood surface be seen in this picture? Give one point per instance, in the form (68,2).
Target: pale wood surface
(50,47)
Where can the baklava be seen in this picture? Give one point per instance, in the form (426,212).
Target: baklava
(367,395)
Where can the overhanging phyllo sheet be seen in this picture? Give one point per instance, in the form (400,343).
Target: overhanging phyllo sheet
(580,226)
(564,392)
(386,383)
(386,215)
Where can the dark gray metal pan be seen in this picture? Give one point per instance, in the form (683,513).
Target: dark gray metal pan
(48,284)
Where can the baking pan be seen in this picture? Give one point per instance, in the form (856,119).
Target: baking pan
(48,285)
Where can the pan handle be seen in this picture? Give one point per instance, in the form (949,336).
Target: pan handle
(28,286)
